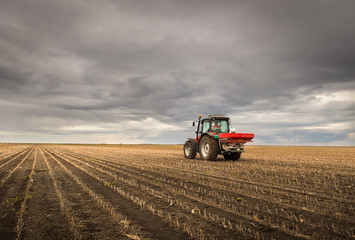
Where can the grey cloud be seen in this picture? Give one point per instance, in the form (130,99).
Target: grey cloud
(93,63)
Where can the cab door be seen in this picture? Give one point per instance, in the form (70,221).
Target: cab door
(206,126)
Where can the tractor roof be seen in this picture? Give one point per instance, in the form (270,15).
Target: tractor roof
(216,117)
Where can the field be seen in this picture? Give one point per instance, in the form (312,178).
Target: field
(152,192)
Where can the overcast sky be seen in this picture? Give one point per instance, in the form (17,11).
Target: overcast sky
(132,71)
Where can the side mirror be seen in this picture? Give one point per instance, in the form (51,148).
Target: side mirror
(193,123)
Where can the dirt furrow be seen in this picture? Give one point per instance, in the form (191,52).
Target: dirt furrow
(43,217)
(27,196)
(13,194)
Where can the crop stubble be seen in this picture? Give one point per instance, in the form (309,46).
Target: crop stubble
(152,192)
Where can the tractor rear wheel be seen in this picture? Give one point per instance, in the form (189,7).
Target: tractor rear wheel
(208,148)
(232,156)
(189,150)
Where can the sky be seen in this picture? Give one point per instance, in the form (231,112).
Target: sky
(140,71)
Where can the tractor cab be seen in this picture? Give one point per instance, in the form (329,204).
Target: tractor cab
(215,124)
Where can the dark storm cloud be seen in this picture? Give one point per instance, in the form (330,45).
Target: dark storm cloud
(84,67)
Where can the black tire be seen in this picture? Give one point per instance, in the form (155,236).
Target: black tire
(189,150)
(234,156)
(208,148)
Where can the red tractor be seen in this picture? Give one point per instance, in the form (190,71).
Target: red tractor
(215,137)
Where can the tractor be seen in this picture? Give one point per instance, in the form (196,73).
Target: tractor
(214,137)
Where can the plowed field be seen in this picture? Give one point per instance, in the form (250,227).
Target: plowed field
(152,192)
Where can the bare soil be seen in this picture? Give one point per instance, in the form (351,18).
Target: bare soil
(152,192)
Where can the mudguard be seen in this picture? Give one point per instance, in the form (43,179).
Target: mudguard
(194,144)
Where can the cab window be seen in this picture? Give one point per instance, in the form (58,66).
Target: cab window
(224,126)
(205,126)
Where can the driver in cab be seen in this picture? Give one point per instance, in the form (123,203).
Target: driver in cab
(216,127)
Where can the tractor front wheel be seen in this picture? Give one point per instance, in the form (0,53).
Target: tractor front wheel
(208,148)
(189,150)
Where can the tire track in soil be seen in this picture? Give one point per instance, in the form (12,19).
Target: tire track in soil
(180,207)
(13,194)
(43,218)
(151,224)
(291,223)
